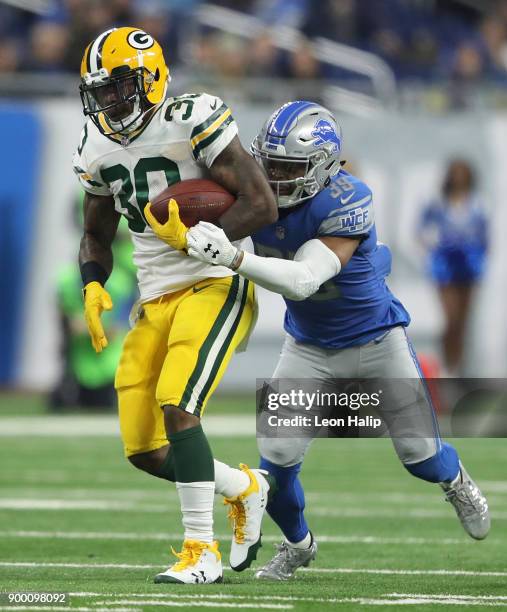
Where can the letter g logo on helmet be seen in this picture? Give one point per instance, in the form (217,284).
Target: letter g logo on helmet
(140,40)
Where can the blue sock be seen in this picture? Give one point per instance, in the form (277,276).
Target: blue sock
(442,467)
(287,504)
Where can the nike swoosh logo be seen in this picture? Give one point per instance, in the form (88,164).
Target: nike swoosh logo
(344,200)
(197,289)
(214,105)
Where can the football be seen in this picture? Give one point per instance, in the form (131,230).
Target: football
(198,200)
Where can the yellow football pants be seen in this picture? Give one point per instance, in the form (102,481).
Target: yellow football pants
(177,353)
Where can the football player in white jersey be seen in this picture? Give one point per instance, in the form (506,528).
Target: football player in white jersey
(192,315)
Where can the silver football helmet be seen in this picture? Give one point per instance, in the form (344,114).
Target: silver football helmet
(299,147)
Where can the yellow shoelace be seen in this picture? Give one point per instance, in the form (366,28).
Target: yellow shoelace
(189,554)
(237,518)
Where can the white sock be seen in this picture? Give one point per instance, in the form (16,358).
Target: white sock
(196,500)
(305,542)
(229,482)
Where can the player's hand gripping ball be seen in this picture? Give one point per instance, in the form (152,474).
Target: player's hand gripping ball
(173,231)
(209,244)
(96,300)
(197,200)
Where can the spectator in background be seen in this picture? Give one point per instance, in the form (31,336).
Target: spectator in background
(493,36)
(155,17)
(288,13)
(243,6)
(467,72)
(230,57)
(420,39)
(263,56)
(47,48)
(334,19)
(453,228)
(302,63)
(221,55)
(15,23)
(10,58)
(87,19)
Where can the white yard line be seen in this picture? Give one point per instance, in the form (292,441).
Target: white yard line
(10,608)
(337,570)
(424,503)
(159,599)
(52,504)
(208,602)
(204,602)
(446,513)
(403,496)
(237,425)
(290,598)
(413,601)
(83,504)
(77,493)
(448,596)
(322,539)
(495,486)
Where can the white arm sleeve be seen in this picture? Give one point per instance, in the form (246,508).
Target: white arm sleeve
(313,264)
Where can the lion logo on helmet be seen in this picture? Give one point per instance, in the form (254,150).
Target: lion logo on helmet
(325,133)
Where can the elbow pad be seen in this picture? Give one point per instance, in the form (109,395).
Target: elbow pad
(304,285)
(313,264)
(318,264)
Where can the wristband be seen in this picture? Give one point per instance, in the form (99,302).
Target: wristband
(238,258)
(93,271)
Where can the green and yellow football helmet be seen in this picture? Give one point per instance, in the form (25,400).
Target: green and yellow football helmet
(123,76)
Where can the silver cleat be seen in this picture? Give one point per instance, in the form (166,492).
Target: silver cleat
(470,504)
(286,561)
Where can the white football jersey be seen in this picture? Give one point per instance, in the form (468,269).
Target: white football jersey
(181,141)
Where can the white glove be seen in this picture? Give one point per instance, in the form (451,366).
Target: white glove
(209,244)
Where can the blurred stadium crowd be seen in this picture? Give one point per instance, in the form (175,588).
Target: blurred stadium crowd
(429,40)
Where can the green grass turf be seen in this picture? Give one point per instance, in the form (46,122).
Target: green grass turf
(25,404)
(355,488)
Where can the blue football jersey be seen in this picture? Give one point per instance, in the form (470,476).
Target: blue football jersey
(355,306)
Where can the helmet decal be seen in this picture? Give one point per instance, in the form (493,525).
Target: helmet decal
(325,133)
(140,40)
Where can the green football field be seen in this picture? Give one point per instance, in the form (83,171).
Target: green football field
(76,518)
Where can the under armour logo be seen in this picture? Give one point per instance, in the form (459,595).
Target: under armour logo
(210,248)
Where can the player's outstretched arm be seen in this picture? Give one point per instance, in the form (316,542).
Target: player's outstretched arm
(315,262)
(96,262)
(255,205)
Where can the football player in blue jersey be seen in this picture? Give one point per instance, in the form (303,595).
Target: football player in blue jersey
(342,321)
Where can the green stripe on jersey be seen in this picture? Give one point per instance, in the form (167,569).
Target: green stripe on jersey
(205,124)
(199,148)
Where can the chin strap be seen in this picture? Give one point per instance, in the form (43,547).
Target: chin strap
(128,133)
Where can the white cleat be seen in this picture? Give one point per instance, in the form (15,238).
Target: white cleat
(246,512)
(470,504)
(198,563)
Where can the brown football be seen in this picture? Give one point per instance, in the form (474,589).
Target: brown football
(198,200)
